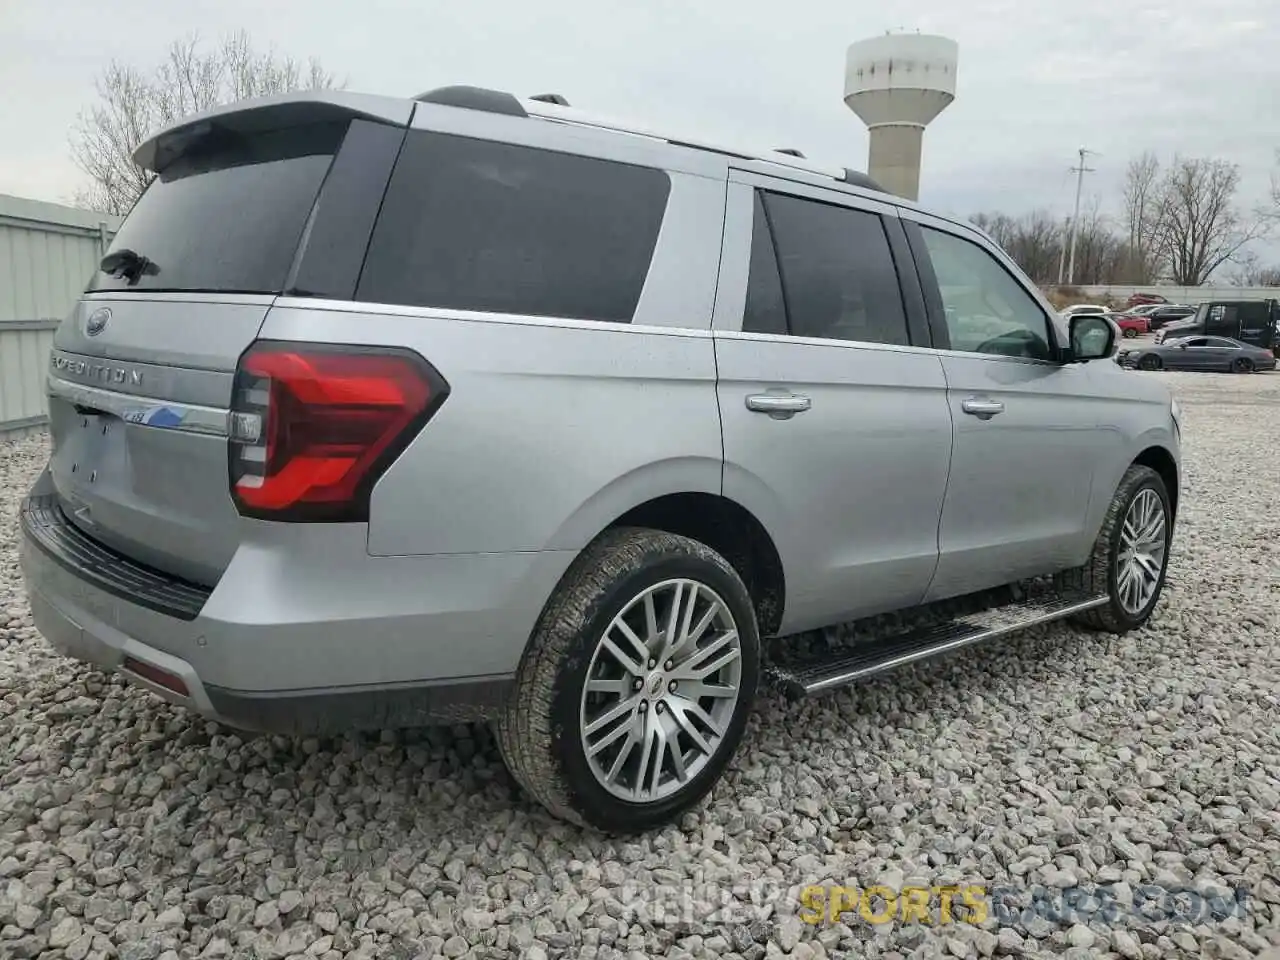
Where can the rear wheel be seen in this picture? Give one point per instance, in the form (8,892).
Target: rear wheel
(1130,556)
(635,688)
(1242,365)
(1150,362)
(1130,333)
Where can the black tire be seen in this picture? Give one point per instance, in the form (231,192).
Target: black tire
(538,733)
(1129,333)
(1150,362)
(1242,365)
(1099,575)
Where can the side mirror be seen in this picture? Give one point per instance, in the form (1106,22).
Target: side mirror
(1092,337)
(1183,345)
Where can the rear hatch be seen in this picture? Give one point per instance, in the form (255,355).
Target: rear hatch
(141,375)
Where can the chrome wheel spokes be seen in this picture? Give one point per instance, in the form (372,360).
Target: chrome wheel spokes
(1140,557)
(661,690)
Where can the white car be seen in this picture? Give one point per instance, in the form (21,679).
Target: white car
(1080,309)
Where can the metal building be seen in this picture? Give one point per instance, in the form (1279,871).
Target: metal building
(897,83)
(47,254)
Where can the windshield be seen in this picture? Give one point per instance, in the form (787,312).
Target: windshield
(226,217)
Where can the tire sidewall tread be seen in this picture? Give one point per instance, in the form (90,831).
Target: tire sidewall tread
(1098,575)
(537,732)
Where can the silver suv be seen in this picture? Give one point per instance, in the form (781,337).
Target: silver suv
(386,412)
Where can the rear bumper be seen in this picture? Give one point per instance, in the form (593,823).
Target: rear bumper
(298,636)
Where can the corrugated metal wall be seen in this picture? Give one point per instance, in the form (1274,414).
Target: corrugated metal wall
(47,254)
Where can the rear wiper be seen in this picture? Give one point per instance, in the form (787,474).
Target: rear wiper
(128,265)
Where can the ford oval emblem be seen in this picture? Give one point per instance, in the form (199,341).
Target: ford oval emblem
(97,321)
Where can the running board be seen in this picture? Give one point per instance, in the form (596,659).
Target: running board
(870,657)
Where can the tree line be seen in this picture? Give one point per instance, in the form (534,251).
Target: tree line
(1179,222)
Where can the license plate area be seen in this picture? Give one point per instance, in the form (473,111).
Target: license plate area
(91,456)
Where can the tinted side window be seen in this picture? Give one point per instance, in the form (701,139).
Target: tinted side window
(766,310)
(478,225)
(987,310)
(837,272)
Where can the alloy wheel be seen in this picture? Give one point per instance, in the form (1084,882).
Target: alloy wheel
(1140,558)
(661,690)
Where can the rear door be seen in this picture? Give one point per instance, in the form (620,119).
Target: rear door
(1026,427)
(141,372)
(836,429)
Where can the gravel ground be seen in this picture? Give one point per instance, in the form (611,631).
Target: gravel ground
(1058,760)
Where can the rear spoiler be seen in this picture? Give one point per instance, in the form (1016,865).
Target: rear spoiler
(269,113)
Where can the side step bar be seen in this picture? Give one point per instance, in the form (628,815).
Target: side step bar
(848,665)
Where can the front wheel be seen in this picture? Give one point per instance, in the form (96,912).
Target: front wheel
(1242,365)
(1131,555)
(1130,333)
(635,689)
(1150,362)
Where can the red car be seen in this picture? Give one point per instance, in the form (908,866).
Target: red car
(1138,299)
(1131,324)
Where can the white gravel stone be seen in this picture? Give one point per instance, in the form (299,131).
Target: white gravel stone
(133,829)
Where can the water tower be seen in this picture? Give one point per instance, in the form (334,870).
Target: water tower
(897,83)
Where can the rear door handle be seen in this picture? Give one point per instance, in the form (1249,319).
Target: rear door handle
(982,409)
(781,405)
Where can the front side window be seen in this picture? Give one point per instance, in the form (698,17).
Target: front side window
(987,311)
(481,225)
(822,270)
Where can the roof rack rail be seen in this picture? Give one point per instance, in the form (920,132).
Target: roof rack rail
(474,98)
(551,98)
(790,152)
(856,178)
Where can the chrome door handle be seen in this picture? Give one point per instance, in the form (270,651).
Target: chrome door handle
(778,404)
(982,409)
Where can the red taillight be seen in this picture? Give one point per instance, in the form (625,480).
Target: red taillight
(313,426)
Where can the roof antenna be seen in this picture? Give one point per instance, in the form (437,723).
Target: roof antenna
(551,98)
(790,151)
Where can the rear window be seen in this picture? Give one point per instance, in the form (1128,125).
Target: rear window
(227,216)
(477,225)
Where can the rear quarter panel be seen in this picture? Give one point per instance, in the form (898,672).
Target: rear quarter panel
(551,430)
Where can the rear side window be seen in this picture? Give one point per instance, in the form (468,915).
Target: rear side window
(478,225)
(835,273)
(227,216)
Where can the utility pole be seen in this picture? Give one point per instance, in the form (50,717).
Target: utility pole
(1079,171)
(1062,254)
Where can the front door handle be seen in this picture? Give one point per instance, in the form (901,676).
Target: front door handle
(982,409)
(779,405)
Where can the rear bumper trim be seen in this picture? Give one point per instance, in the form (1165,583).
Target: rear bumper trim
(328,712)
(47,527)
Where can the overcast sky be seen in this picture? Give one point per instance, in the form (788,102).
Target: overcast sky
(1036,80)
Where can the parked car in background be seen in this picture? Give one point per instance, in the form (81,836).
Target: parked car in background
(1142,310)
(1083,309)
(1255,322)
(1138,299)
(1131,325)
(1167,313)
(1221,354)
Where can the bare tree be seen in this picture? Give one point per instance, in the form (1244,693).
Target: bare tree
(1141,220)
(1269,277)
(1199,227)
(133,104)
(1247,270)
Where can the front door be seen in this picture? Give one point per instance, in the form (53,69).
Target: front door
(837,434)
(1026,429)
